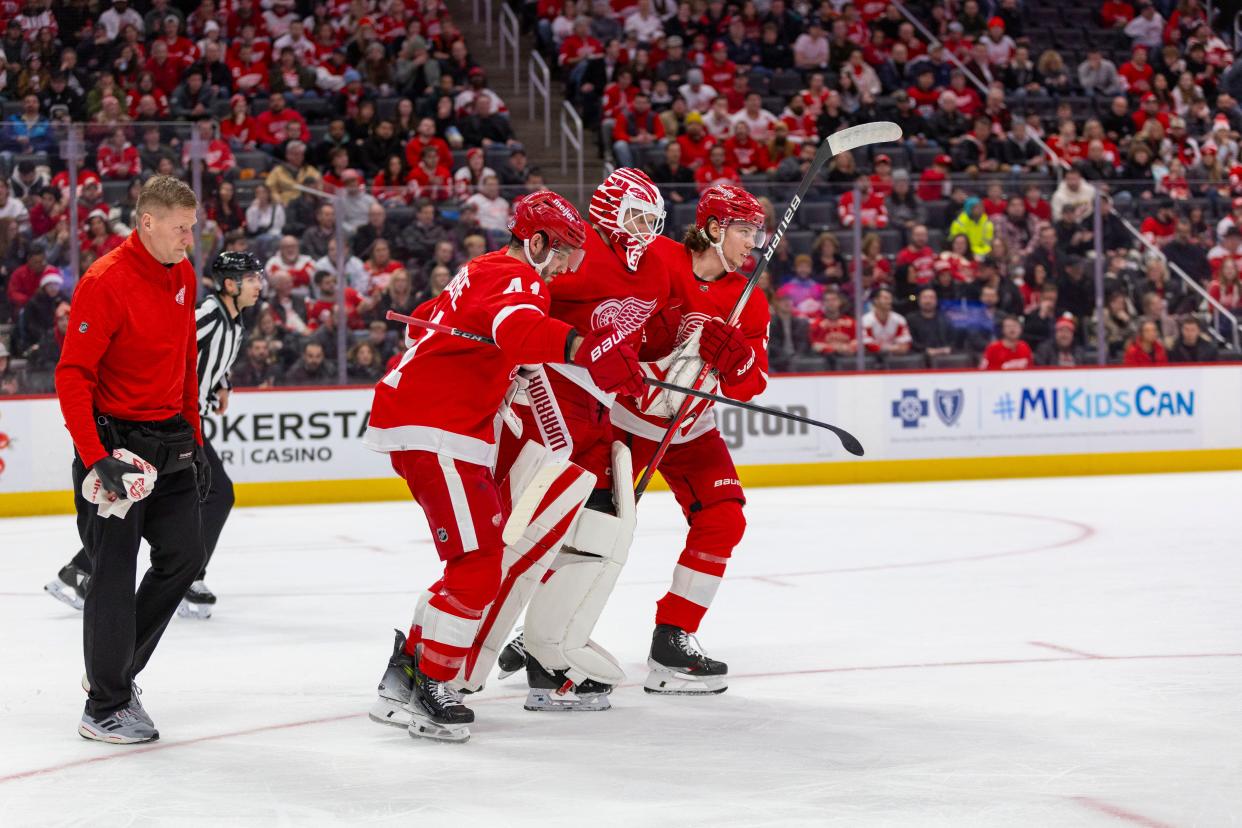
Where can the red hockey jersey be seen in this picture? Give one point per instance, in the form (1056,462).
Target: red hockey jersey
(699,300)
(444,393)
(603,291)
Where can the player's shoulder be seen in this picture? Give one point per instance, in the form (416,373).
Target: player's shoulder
(497,263)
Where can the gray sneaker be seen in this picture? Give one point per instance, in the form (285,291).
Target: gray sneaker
(135,699)
(123,727)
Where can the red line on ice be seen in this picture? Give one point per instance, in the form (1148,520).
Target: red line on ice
(1060,649)
(131,751)
(1119,813)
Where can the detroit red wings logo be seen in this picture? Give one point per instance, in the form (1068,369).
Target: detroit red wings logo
(625,315)
(690,323)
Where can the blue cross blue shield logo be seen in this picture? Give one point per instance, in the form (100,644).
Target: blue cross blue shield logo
(949,405)
(909,409)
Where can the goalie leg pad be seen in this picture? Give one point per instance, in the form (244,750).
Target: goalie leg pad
(567,606)
(526,561)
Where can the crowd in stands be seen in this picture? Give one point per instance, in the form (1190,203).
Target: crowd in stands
(978,229)
(985,212)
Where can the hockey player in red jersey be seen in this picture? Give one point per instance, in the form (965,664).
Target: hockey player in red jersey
(435,415)
(697,467)
(621,283)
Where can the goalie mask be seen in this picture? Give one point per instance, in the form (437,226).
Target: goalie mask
(548,213)
(629,209)
(730,205)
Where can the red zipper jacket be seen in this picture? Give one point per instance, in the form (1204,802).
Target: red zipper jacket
(131,349)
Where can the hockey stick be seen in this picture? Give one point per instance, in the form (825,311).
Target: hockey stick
(848,441)
(879,132)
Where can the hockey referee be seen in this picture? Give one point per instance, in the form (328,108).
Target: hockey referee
(238,279)
(127,379)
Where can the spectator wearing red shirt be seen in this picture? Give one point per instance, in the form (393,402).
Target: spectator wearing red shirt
(882,175)
(240,129)
(1009,353)
(117,158)
(100,237)
(1160,228)
(1150,108)
(425,136)
(1115,14)
(834,332)
(917,258)
(218,156)
(718,70)
(695,142)
(165,69)
(1146,348)
(24,281)
(325,304)
(715,170)
(1137,72)
(640,127)
(180,49)
(744,153)
(579,46)
(619,95)
(249,71)
(271,124)
(144,87)
(1036,204)
(433,179)
(934,181)
(874,211)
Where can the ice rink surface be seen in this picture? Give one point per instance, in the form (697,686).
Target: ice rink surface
(1055,652)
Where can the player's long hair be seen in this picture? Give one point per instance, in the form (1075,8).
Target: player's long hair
(696,239)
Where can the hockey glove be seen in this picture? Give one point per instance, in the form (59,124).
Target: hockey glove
(612,364)
(110,470)
(202,473)
(723,347)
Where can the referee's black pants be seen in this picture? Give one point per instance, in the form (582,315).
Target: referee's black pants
(213,512)
(120,628)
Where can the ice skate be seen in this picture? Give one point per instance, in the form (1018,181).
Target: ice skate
(679,667)
(512,658)
(435,711)
(553,690)
(69,586)
(124,727)
(390,708)
(197,602)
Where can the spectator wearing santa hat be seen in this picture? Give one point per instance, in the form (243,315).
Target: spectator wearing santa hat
(1062,350)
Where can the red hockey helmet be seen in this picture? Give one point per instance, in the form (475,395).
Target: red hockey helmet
(629,209)
(728,205)
(548,213)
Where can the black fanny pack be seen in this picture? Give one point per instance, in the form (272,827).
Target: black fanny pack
(168,445)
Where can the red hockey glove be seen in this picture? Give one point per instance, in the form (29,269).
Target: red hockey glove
(612,364)
(723,347)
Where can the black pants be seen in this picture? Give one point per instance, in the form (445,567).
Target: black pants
(120,627)
(214,512)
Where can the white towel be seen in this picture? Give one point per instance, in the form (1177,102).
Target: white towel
(137,486)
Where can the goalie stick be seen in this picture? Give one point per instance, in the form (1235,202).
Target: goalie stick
(878,132)
(849,441)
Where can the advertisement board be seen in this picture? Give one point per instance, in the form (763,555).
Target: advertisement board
(300,445)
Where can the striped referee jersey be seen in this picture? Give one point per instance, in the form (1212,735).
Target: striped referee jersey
(219,341)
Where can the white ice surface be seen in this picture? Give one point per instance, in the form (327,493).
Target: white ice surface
(1043,653)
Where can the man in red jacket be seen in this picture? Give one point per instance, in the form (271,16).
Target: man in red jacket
(127,379)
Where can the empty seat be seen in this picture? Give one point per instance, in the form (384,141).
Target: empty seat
(962,361)
(905,362)
(255,160)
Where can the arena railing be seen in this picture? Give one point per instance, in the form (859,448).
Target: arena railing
(510,36)
(539,83)
(571,136)
(483,14)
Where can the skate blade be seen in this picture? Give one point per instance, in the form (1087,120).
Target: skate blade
(64,593)
(423,728)
(389,712)
(87,732)
(665,682)
(550,700)
(200,612)
(501,675)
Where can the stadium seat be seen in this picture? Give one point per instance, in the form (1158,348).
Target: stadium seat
(905,362)
(953,361)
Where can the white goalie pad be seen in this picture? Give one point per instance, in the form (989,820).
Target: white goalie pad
(568,604)
(681,367)
(548,495)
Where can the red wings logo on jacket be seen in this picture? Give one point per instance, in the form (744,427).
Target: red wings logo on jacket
(625,315)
